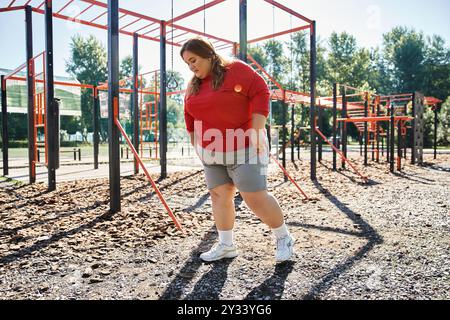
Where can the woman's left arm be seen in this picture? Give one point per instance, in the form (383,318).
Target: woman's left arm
(258,134)
(259,105)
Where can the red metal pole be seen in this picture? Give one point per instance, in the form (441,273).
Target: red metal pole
(287,175)
(342,155)
(136,156)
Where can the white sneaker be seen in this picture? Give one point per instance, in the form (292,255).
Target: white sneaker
(285,248)
(219,251)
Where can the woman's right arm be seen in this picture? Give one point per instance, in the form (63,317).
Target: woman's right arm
(191,135)
(189,121)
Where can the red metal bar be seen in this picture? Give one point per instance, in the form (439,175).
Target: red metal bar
(138,19)
(176,92)
(150,24)
(12,9)
(226,46)
(99,16)
(373,119)
(154,29)
(179,35)
(348,95)
(202,34)
(222,46)
(342,155)
(127,12)
(395,100)
(83,11)
(288,10)
(279,34)
(289,177)
(194,11)
(65,6)
(298,93)
(12,2)
(397,95)
(180,42)
(60,16)
(60,83)
(43,2)
(432,100)
(12,73)
(264,71)
(99,26)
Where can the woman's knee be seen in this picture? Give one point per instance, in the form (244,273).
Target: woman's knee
(254,199)
(223,194)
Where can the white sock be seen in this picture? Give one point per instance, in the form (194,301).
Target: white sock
(226,237)
(281,232)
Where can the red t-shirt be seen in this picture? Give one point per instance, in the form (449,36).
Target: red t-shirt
(243,93)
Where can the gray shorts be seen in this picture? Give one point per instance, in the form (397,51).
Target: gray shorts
(246,177)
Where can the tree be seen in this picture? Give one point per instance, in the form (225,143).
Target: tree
(436,80)
(175,82)
(88,64)
(175,114)
(380,79)
(277,62)
(404,51)
(443,135)
(259,54)
(126,68)
(347,63)
(340,58)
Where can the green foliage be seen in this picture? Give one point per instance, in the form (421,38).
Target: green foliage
(348,64)
(88,64)
(16,144)
(277,62)
(436,79)
(70,124)
(443,135)
(259,54)
(126,68)
(17,126)
(404,51)
(407,61)
(175,113)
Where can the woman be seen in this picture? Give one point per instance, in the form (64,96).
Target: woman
(226,107)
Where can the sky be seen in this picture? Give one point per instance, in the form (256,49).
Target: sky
(367,20)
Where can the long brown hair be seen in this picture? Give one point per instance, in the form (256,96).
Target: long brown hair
(205,49)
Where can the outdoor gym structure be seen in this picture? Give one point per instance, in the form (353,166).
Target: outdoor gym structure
(366,110)
(109,16)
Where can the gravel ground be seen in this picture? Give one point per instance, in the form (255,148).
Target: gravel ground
(388,239)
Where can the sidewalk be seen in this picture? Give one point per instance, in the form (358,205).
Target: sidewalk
(71,170)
